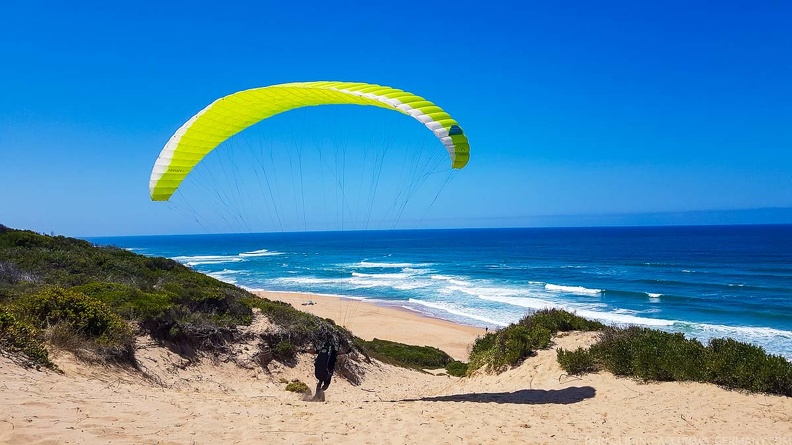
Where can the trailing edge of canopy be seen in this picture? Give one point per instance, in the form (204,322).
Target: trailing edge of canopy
(231,114)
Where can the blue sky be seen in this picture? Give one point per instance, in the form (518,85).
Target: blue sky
(578,113)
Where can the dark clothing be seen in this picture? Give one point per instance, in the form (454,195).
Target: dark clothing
(324,365)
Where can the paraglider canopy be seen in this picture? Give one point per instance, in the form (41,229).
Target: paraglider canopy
(231,114)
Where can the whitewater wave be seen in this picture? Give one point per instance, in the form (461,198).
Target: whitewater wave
(199,260)
(225,275)
(618,317)
(202,260)
(384,265)
(572,289)
(457,281)
(387,276)
(260,252)
(303,280)
(453,310)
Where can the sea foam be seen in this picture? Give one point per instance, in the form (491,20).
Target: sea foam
(453,310)
(572,289)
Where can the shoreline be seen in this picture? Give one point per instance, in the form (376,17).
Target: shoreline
(367,320)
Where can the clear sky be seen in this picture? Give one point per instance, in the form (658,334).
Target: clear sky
(577,112)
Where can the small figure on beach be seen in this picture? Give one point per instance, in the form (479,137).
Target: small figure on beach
(309,303)
(324,366)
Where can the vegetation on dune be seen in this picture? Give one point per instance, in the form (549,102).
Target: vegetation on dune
(577,362)
(76,322)
(408,356)
(92,300)
(643,353)
(457,368)
(653,355)
(19,340)
(509,346)
(297,329)
(298,387)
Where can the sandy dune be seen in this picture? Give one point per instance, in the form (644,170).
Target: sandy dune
(223,403)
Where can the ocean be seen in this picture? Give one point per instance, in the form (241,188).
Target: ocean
(704,281)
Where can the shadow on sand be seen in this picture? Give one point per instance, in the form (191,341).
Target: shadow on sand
(573,394)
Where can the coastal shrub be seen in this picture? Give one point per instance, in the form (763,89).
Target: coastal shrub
(507,347)
(457,368)
(69,313)
(654,355)
(301,329)
(514,343)
(423,357)
(21,341)
(283,350)
(559,320)
(614,350)
(184,310)
(650,354)
(11,274)
(129,302)
(85,315)
(298,387)
(740,365)
(187,332)
(579,361)
(517,343)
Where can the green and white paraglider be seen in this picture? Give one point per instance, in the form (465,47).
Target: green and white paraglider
(232,114)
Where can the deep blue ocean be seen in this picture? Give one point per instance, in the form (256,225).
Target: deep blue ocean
(704,281)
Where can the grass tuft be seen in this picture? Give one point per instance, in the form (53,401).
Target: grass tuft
(298,387)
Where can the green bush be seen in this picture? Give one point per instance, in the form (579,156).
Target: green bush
(86,316)
(653,355)
(558,320)
(579,361)
(423,357)
(507,347)
(19,338)
(298,387)
(743,366)
(512,344)
(299,328)
(129,302)
(650,354)
(283,350)
(457,368)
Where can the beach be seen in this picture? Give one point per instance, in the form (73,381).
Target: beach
(369,321)
(220,401)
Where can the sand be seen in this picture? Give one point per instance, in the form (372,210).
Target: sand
(223,402)
(394,323)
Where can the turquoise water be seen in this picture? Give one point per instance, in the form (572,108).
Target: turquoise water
(705,281)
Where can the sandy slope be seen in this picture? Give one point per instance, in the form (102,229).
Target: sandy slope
(226,403)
